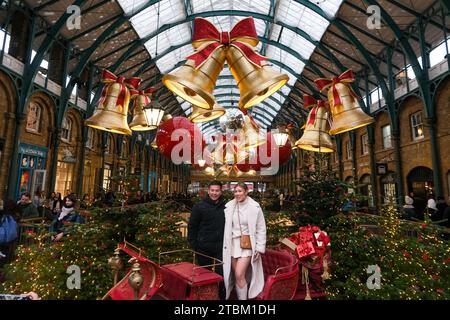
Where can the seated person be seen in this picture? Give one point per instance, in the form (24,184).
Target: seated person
(67,214)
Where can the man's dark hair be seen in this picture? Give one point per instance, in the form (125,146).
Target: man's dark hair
(215,183)
(26,194)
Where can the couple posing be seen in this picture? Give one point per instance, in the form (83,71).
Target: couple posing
(216,229)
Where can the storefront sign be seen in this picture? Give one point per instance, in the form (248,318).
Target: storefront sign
(32,150)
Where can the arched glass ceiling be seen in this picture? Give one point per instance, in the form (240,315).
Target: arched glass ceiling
(290,12)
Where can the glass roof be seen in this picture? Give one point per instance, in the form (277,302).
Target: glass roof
(289,12)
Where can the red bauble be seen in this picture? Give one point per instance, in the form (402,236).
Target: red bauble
(265,150)
(181,129)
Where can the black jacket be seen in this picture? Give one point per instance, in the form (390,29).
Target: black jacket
(206,226)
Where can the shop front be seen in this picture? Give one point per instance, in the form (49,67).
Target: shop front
(32,171)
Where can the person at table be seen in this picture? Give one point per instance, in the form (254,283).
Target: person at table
(243,216)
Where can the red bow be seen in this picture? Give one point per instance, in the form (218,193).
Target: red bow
(309,101)
(207,39)
(109,78)
(344,78)
(145,94)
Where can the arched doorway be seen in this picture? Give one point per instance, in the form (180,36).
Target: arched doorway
(421,183)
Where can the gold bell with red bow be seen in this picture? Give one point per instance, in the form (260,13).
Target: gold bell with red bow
(250,134)
(112,110)
(204,115)
(254,76)
(196,79)
(344,105)
(147,113)
(316,137)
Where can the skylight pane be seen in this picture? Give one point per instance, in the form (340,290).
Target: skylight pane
(146,21)
(330,7)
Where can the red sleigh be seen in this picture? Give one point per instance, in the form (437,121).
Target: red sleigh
(147,280)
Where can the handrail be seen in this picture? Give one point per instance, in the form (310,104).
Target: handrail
(194,253)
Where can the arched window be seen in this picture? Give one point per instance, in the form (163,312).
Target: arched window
(34,117)
(66,131)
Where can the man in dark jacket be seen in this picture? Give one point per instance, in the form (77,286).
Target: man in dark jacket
(207,223)
(26,208)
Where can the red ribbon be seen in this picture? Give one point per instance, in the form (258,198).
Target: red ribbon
(109,78)
(309,101)
(207,39)
(344,78)
(146,93)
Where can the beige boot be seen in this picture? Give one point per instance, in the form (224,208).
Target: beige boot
(241,292)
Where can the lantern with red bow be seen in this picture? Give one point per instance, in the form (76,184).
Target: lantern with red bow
(180,140)
(112,110)
(316,137)
(347,113)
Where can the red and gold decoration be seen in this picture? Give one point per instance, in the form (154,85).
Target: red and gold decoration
(313,248)
(204,115)
(111,113)
(347,113)
(250,132)
(316,136)
(195,81)
(166,144)
(147,114)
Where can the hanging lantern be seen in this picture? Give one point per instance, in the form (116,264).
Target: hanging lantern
(147,112)
(281,136)
(347,113)
(166,145)
(284,152)
(195,81)
(316,137)
(204,115)
(112,110)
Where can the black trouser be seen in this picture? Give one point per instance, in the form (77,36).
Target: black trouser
(205,261)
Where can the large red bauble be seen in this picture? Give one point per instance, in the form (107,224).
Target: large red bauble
(190,131)
(284,152)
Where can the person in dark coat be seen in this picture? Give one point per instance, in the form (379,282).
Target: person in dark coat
(206,226)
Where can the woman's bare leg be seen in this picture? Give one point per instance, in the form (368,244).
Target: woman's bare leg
(240,269)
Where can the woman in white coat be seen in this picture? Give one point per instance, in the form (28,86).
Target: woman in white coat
(243,216)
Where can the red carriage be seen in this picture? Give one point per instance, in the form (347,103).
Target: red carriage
(147,280)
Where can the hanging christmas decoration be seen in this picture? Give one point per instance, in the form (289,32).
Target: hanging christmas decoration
(112,110)
(205,115)
(347,113)
(316,137)
(147,114)
(195,81)
(167,140)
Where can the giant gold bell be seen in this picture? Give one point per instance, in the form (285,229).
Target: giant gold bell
(139,122)
(250,136)
(255,83)
(109,115)
(204,115)
(196,85)
(349,115)
(316,137)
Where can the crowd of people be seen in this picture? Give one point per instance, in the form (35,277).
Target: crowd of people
(436,210)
